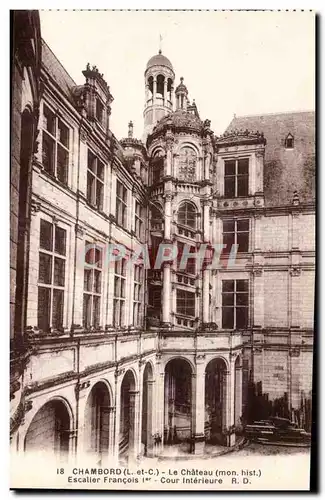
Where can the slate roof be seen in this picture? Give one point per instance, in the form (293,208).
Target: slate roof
(285,170)
(57,71)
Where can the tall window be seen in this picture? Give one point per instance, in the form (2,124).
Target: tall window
(234,304)
(236,232)
(187,165)
(92,285)
(121,204)
(185,303)
(95,181)
(99,111)
(187,215)
(55,145)
(119,293)
(236,177)
(190,263)
(156,222)
(137,295)
(139,216)
(51,276)
(157,167)
(154,300)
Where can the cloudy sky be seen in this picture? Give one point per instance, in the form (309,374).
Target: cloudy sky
(232,62)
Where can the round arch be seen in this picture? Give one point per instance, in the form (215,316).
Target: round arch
(187,214)
(108,386)
(128,393)
(160,84)
(178,404)
(49,429)
(183,358)
(215,399)
(221,358)
(97,420)
(147,409)
(148,368)
(157,152)
(190,145)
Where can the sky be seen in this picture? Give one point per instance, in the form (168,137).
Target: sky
(235,62)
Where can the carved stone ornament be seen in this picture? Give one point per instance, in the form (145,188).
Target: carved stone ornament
(257,271)
(79,231)
(35,207)
(83,135)
(294,352)
(295,271)
(168,196)
(80,386)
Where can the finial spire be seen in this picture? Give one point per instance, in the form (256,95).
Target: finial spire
(160,43)
(130,131)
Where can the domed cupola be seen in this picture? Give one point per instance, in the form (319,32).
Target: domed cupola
(159,60)
(181,94)
(159,95)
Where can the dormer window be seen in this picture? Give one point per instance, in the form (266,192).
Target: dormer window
(99,111)
(236,177)
(289,142)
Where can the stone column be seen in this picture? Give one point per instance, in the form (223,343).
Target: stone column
(259,168)
(258,297)
(32,311)
(257,244)
(296,303)
(165,92)
(159,399)
(168,214)
(206,221)
(238,393)
(172,96)
(146,95)
(118,401)
(113,189)
(107,412)
(83,436)
(72,436)
(206,296)
(111,443)
(166,398)
(134,428)
(207,167)
(154,89)
(230,403)
(166,292)
(77,319)
(150,387)
(198,405)
(83,163)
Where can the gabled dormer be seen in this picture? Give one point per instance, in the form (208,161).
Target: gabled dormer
(95,98)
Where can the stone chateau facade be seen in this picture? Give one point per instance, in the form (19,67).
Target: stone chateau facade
(117,360)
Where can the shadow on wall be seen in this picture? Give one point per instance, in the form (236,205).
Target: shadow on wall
(260,407)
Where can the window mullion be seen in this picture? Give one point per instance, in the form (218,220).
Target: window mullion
(56,148)
(236,178)
(235,304)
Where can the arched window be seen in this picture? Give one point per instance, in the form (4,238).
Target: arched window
(187,164)
(160,84)
(157,166)
(187,215)
(289,141)
(156,218)
(150,83)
